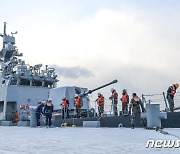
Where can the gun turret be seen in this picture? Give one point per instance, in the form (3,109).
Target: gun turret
(90,91)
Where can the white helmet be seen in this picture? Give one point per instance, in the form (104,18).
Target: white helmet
(76,95)
(64,98)
(43,102)
(112,89)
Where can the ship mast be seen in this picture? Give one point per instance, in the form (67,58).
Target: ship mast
(4,35)
(12,66)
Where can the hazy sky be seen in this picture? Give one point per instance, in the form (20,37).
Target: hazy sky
(91,42)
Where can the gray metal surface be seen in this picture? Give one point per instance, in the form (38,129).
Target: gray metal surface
(33,121)
(153,115)
(91,123)
(8,123)
(23,123)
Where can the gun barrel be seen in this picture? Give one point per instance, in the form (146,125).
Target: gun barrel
(114,81)
(90,91)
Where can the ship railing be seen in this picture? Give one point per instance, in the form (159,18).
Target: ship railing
(146,98)
(108,107)
(162,100)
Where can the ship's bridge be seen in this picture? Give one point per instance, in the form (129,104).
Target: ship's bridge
(32,81)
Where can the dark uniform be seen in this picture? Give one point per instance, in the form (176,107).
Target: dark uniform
(135,105)
(125,102)
(100,102)
(48,110)
(39,111)
(114,98)
(170,95)
(65,105)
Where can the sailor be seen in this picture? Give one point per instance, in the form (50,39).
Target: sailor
(78,105)
(16,117)
(100,102)
(48,110)
(135,105)
(114,98)
(39,112)
(65,104)
(170,95)
(125,101)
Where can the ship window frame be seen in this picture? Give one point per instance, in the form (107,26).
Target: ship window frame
(36,84)
(2,109)
(48,84)
(26,82)
(12,81)
(11,108)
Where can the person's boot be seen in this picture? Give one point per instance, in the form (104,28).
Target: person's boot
(132,126)
(144,123)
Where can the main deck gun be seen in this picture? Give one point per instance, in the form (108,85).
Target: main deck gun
(90,91)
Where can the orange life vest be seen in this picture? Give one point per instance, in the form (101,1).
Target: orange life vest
(77,101)
(16,117)
(124,98)
(100,100)
(64,103)
(173,91)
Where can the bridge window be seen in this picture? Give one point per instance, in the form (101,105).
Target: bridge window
(48,84)
(24,82)
(36,83)
(13,82)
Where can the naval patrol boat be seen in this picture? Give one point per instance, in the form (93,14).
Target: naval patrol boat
(23,85)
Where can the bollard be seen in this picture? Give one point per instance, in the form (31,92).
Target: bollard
(153,115)
(33,121)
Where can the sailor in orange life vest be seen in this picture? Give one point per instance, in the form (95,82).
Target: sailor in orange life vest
(135,105)
(100,102)
(65,105)
(114,98)
(170,95)
(16,117)
(125,101)
(78,105)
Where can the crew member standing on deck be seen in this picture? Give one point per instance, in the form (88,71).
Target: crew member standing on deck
(78,105)
(170,95)
(48,110)
(125,101)
(100,102)
(135,105)
(39,111)
(114,98)
(65,105)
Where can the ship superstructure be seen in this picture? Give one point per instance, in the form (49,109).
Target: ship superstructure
(21,83)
